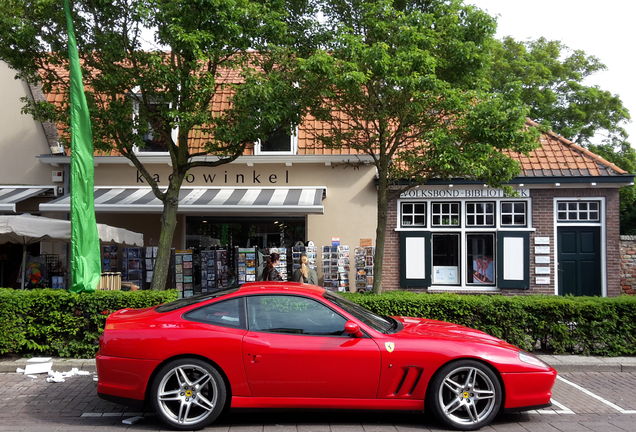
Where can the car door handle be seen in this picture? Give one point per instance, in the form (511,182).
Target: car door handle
(254,358)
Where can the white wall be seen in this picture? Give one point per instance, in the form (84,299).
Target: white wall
(21,137)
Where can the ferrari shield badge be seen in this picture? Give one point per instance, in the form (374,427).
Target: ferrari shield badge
(390,346)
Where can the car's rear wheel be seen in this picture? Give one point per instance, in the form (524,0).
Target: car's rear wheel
(188,394)
(465,395)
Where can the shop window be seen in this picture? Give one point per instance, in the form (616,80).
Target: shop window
(480,214)
(446,259)
(578,211)
(280,141)
(226,313)
(413,214)
(513,213)
(445,214)
(480,253)
(294,315)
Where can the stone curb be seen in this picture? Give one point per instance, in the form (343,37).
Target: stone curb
(562,363)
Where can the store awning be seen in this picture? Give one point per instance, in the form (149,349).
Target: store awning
(133,199)
(11,195)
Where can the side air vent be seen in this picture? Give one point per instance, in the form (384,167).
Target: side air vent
(410,379)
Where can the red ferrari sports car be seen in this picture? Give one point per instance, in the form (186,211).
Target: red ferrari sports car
(287,345)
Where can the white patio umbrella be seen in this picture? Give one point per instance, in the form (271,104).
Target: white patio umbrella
(26,229)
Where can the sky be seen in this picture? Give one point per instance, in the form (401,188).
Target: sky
(603,28)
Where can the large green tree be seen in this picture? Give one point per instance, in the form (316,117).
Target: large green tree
(152,67)
(552,78)
(405,83)
(552,81)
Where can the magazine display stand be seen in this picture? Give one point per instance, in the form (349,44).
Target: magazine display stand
(246,265)
(364,268)
(150,260)
(110,258)
(343,268)
(133,266)
(183,272)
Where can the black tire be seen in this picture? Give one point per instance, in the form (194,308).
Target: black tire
(188,394)
(465,395)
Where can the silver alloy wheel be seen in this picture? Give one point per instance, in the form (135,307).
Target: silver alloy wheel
(187,394)
(467,395)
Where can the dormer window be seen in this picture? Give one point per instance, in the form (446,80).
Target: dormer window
(153,142)
(280,142)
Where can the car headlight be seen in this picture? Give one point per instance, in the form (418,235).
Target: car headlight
(533,360)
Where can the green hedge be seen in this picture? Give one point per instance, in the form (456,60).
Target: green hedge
(61,323)
(550,324)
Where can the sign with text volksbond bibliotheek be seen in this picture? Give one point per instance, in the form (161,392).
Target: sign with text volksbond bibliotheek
(462,193)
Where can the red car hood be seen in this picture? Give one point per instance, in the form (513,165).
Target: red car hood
(420,327)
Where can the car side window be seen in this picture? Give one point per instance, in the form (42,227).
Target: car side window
(225,313)
(293,315)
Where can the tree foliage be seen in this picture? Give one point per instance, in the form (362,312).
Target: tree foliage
(405,83)
(153,67)
(552,81)
(552,78)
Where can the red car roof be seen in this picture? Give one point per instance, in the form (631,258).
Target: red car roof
(294,287)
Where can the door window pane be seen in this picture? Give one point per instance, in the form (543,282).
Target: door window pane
(225,313)
(578,211)
(445,213)
(480,252)
(446,259)
(292,314)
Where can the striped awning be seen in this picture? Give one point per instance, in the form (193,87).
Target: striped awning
(134,199)
(11,195)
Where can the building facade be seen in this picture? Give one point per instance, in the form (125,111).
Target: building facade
(557,233)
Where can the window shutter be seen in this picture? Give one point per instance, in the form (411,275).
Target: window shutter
(513,263)
(415,259)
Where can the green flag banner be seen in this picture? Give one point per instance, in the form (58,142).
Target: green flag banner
(85,259)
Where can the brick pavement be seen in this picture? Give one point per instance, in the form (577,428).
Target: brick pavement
(34,405)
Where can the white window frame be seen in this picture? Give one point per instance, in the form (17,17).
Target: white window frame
(578,211)
(513,214)
(481,215)
(450,214)
(600,223)
(292,151)
(412,215)
(140,151)
(463,230)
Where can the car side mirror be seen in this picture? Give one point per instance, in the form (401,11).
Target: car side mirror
(353,329)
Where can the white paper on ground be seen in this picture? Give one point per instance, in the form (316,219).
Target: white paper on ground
(37,368)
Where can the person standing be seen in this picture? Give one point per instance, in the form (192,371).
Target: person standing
(270,273)
(305,274)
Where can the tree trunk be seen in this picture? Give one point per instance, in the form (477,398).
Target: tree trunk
(380,232)
(168,224)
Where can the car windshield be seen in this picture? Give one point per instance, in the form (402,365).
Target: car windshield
(178,304)
(373,320)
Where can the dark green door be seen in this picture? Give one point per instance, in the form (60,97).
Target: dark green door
(579,261)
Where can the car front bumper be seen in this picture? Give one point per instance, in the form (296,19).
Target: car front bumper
(528,390)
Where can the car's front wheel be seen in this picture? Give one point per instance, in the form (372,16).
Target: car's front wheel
(465,395)
(188,394)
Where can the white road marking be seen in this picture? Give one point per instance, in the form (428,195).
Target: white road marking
(563,409)
(597,397)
